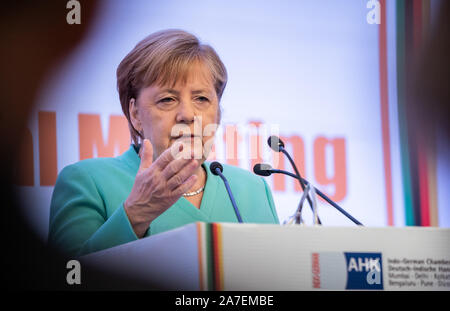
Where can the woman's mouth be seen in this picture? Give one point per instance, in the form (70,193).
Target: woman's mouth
(185,136)
(190,146)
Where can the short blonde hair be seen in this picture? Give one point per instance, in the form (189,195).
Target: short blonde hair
(161,58)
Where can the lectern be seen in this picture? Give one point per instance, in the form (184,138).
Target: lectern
(228,256)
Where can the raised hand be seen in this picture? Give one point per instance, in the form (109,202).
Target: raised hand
(158,185)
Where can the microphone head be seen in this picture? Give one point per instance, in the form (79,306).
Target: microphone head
(275,143)
(215,165)
(262,169)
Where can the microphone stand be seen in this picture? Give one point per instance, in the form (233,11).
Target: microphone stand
(217,169)
(300,179)
(321,194)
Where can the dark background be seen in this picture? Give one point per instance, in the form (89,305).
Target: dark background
(35,38)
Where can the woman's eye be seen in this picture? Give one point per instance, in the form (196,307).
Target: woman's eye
(202,99)
(166,100)
(166,103)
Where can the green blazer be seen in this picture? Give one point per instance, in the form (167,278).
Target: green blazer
(87,214)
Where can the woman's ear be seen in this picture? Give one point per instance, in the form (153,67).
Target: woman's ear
(134,115)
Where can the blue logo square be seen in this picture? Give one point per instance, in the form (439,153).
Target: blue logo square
(364,271)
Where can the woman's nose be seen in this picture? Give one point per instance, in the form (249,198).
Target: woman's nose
(185,113)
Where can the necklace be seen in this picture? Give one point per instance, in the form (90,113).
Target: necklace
(190,194)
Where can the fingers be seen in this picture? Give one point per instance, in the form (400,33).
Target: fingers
(175,167)
(166,157)
(146,155)
(182,175)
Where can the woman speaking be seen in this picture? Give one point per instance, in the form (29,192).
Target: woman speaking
(170,86)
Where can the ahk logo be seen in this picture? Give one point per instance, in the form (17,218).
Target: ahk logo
(364,271)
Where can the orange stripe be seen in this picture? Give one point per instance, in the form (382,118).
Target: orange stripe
(218,265)
(200,255)
(385,114)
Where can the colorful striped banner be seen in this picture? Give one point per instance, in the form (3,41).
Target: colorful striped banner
(418,155)
(214,261)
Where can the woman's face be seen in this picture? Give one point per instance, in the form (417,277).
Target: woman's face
(187,113)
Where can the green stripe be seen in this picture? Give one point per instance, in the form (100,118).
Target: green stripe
(402,119)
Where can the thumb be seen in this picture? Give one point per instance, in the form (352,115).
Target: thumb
(146,155)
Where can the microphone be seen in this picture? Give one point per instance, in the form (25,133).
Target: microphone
(277,145)
(267,170)
(216,168)
(263,169)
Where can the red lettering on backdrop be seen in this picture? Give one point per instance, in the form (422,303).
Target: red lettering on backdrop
(255,145)
(339,179)
(90,135)
(232,139)
(279,180)
(298,155)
